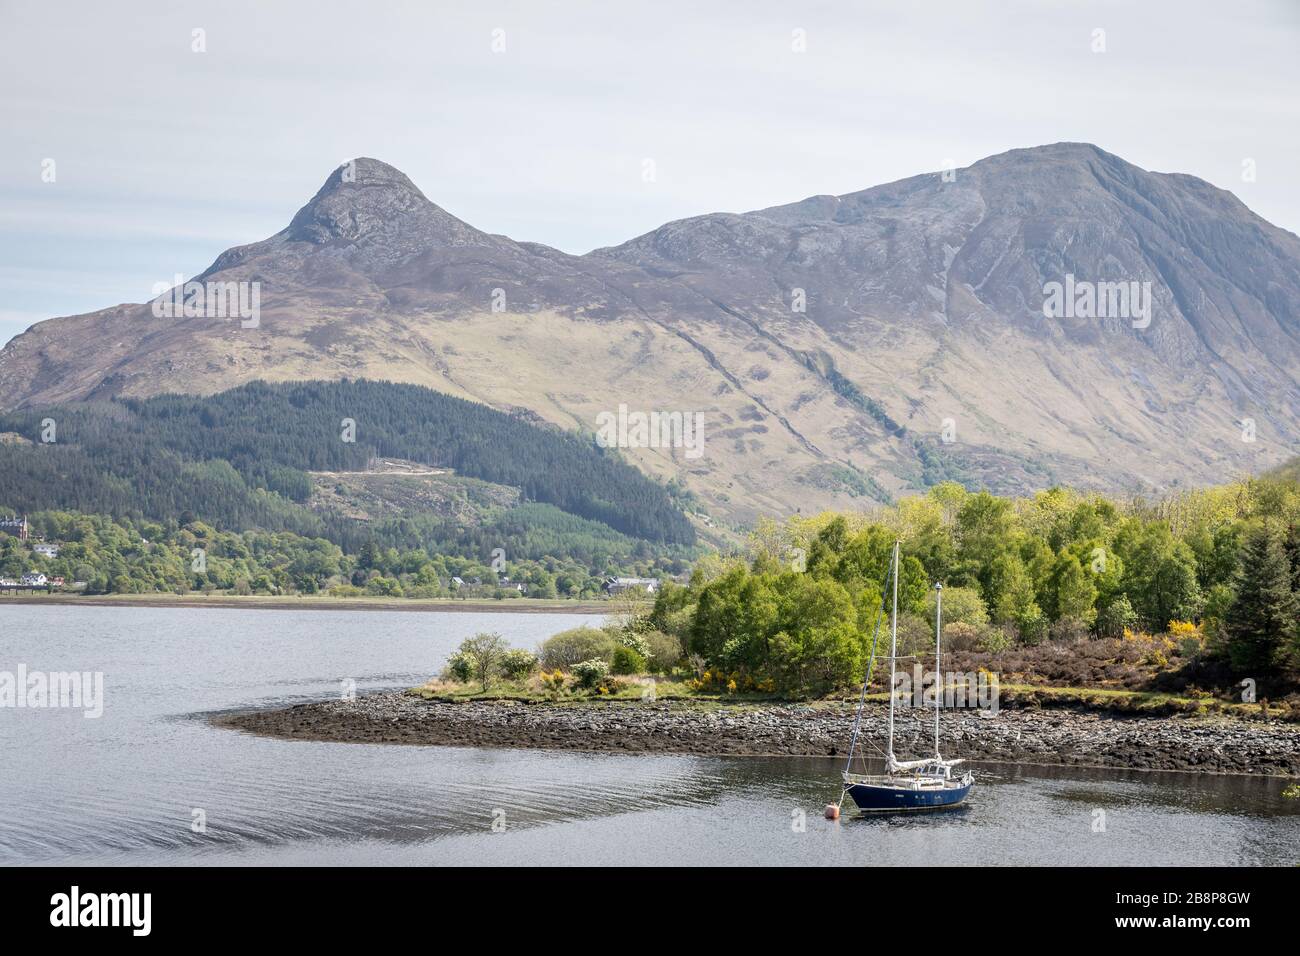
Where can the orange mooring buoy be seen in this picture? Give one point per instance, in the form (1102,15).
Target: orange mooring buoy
(832,811)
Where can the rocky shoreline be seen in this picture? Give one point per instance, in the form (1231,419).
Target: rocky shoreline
(1031,735)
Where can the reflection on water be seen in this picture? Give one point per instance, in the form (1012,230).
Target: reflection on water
(125,788)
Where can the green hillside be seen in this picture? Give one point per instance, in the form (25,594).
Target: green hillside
(245,459)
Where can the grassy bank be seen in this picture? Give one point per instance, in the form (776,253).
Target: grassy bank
(636,687)
(653,688)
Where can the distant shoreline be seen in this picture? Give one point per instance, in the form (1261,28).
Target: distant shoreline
(274,603)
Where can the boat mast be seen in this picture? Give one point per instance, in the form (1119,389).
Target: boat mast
(938,682)
(866,681)
(893,654)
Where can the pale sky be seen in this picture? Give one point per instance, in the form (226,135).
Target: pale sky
(164,157)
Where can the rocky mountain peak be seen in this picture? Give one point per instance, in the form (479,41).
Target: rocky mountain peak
(367,211)
(358,198)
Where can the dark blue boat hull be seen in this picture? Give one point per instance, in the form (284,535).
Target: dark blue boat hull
(869,797)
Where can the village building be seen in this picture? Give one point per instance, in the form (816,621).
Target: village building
(619,585)
(14,526)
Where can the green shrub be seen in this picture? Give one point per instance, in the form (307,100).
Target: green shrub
(460,667)
(1032,626)
(960,606)
(517,664)
(996,640)
(483,653)
(677,623)
(384,587)
(961,636)
(627,661)
(590,673)
(577,644)
(1217,601)
(423,591)
(635,641)
(665,651)
(1115,617)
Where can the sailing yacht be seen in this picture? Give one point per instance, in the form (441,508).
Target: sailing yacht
(927,783)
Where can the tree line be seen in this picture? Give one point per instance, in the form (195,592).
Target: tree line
(1221,565)
(122,556)
(240,459)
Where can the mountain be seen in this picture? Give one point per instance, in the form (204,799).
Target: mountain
(921,353)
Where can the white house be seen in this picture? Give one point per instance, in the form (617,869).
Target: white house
(46,550)
(34,579)
(617,585)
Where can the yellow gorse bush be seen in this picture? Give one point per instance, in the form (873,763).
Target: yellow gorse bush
(732,683)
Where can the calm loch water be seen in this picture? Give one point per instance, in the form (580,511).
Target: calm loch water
(127,787)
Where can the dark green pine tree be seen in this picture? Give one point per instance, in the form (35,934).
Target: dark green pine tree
(1262,617)
(1291,545)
